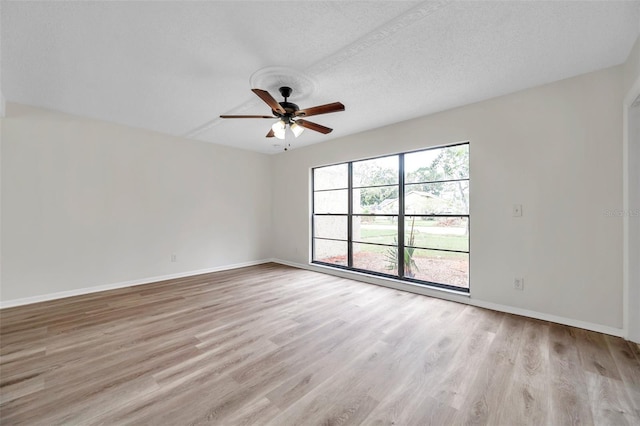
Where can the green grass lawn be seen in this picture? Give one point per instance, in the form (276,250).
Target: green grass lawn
(422,239)
(387,221)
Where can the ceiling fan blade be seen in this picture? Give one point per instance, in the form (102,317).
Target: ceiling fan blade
(268,99)
(321,109)
(314,126)
(270,134)
(247,116)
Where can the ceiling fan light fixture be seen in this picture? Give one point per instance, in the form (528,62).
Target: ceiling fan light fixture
(296,129)
(279,128)
(289,114)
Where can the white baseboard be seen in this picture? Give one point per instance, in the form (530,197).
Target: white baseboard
(456,297)
(95,289)
(385,282)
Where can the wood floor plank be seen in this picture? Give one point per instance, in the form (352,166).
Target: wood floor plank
(452,384)
(254,413)
(569,398)
(340,358)
(623,355)
(406,399)
(326,404)
(271,344)
(527,394)
(485,401)
(610,403)
(595,355)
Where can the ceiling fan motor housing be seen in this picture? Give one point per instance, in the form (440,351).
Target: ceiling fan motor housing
(289,107)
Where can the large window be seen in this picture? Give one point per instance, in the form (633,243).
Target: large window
(404,216)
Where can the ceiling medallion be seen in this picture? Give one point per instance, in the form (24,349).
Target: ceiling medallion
(272,78)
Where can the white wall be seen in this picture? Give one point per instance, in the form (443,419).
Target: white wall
(87,203)
(631,216)
(631,207)
(555,149)
(632,67)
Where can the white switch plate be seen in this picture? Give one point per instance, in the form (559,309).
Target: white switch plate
(517,210)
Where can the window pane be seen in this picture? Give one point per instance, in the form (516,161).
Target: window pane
(379,230)
(375,258)
(379,171)
(437,164)
(437,267)
(330,227)
(437,198)
(330,251)
(331,177)
(330,201)
(447,233)
(381,200)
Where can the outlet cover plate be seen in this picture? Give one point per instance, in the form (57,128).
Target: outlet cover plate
(518,284)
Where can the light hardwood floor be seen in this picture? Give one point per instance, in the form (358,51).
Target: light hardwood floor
(273,345)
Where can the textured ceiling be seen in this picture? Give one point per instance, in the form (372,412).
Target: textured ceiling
(173,67)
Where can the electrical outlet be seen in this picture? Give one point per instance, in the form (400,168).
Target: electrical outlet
(518,284)
(517,210)
(174,258)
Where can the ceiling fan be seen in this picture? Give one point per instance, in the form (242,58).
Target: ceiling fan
(290,114)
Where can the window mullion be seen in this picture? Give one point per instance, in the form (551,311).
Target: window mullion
(401,215)
(350,216)
(313,212)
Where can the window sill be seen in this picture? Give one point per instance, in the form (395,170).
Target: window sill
(381,280)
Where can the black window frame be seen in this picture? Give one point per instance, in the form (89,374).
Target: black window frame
(400,220)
